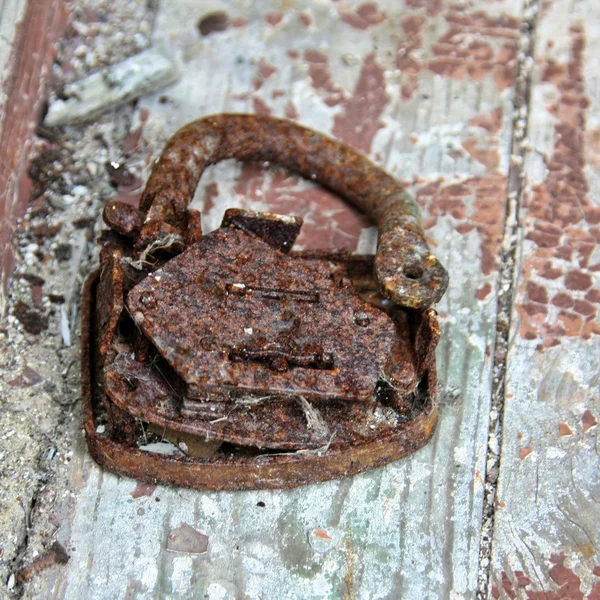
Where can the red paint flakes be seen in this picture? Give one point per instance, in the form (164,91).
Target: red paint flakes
(489,157)
(484,291)
(566,583)
(537,293)
(563,216)
(359,121)
(329,221)
(477,45)
(491,122)
(132,141)
(320,75)
(273,18)
(260,107)
(588,421)
(508,587)
(564,430)
(577,280)
(305,18)
(238,22)
(291,112)
(406,58)
(27,378)
(477,203)
(365,16)
(210,193)
(525,452)
(433,7)
(143,489)
(521,579)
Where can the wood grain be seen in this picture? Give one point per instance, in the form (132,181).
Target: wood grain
(424,87)
(547,531)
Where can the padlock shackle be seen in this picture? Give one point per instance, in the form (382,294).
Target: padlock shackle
(407,272)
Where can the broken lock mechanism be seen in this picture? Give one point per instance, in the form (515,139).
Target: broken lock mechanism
(267,368)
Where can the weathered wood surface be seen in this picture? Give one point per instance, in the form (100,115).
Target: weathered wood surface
(426,88)
(547,523)
(27,35)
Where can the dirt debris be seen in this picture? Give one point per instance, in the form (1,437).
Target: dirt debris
(54,249)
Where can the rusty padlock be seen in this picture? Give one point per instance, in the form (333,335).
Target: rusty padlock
(269,368)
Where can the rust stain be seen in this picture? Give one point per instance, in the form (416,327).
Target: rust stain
(587,550)
(321,533)
(366,15)
(564,219)
(360,119)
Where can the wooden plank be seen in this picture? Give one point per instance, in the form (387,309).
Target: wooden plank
(426,88)
(547,521)
(28,32)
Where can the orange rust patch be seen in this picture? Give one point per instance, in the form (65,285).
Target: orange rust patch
(563,218)
(587,550)
(321,533)
(524,453)
(564,430)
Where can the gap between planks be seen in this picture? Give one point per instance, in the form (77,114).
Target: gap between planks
(506,282)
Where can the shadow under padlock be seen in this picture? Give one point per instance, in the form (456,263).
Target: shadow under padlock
(278,368)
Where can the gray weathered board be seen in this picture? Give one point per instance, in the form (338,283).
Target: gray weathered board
(426,87)
(547,530)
